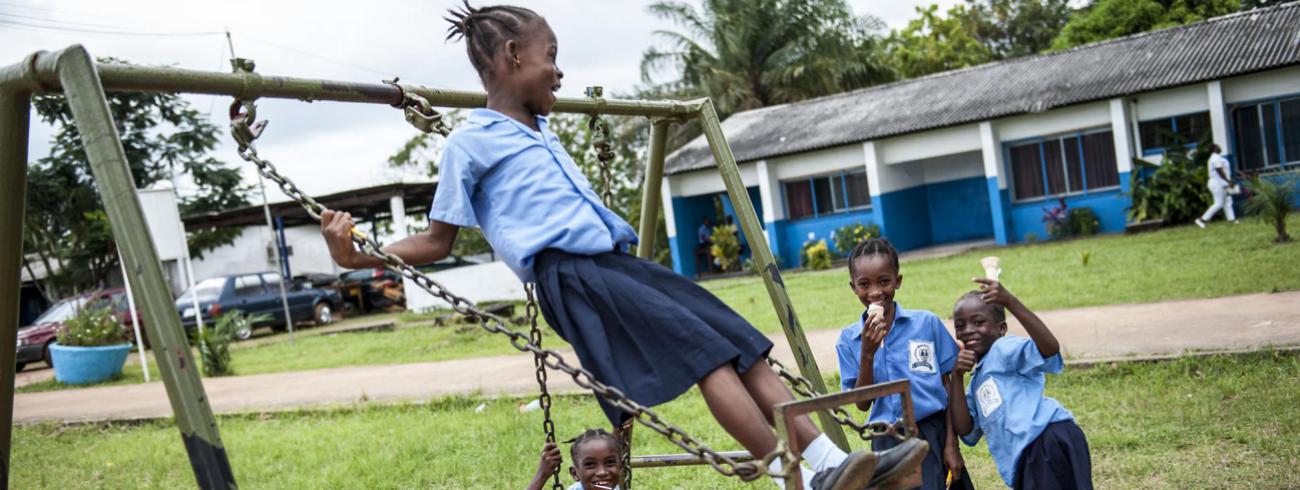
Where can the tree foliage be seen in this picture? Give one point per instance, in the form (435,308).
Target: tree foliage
(1014,28)
(1107,19)
(973,33)
(65,225)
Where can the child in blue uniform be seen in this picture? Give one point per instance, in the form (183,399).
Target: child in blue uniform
(635,325)
(1032,438)
(900,344)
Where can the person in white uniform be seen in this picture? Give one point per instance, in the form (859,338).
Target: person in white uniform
(1219,183)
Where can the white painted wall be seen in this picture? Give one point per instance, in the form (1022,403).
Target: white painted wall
(769,192)
(709,181)
(1271,83)
(991,153)
(1061,120)
(948,168)
(492,281)
(248,253)
(1121,135)
(1172,102)
(929,144)
(816,162)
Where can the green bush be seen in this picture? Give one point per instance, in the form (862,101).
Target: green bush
(214,342)
(816,255)
(92,327)
(1077,222)
(1270,200)
(849,236)
(726,247)
(1174,191)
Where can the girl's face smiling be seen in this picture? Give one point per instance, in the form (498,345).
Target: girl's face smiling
(537,76)
(875,280)
(597,465)
(976,326)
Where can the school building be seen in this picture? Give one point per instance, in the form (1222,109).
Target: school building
(978,153)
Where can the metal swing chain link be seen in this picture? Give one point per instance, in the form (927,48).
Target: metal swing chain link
(241,123)
(419,112)
(602,141)
(867,431)
(544,399)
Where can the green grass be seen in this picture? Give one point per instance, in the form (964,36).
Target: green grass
(1177,263)
(1217,422)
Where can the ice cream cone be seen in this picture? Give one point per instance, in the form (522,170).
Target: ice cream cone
(992,268)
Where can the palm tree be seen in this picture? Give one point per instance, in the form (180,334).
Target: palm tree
(1272,201)
(747,54)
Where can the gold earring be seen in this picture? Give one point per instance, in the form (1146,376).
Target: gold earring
(516,62)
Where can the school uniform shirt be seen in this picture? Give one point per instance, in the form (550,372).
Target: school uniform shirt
(522,188)
(1005,399)
(917,348)
(577,485)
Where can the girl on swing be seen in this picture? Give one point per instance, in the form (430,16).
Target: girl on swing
(635,325)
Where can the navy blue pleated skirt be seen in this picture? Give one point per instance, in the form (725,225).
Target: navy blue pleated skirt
(1057,460)
(640,327)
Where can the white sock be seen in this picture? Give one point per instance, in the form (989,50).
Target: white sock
(806,472)
(821,453)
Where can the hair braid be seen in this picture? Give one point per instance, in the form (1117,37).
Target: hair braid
(486,29)
(999,313)
(874,246)
(590,435)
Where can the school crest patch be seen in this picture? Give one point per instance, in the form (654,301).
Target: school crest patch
(920,356)
(989,397)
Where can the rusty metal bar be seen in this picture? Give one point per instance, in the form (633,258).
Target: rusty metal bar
(15,110)
(667,460)
(788,411)
(762,254)
(654,178)
(194,417)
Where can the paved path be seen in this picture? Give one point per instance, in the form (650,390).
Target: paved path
(1087,334)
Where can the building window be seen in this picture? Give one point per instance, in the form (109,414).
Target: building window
(1187,129)
(1267,134)
(1060,165)
(826,194)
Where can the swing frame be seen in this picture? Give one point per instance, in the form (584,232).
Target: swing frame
(73,72)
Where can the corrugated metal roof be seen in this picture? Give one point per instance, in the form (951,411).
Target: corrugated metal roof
(1222,47)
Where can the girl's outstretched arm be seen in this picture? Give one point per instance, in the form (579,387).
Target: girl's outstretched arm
(422,248)
(995,293)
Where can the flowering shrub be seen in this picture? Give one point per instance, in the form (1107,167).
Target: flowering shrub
(849,236)
(816,255)
(92,327)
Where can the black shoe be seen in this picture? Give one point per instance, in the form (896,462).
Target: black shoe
(854,473)
(899,462)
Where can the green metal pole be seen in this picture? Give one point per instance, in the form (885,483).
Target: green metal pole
(763,255)
(15,108)
(189,402)
(654,178)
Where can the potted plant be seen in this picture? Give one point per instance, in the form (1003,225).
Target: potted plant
(91,348)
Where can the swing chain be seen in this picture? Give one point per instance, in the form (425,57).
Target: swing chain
(544,399)
(552,359)
(602,141)
(867,431)
(419,112)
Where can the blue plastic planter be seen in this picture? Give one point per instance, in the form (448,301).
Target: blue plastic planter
(86,365)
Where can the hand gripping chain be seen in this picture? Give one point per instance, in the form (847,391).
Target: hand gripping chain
(242,129)
(544,399)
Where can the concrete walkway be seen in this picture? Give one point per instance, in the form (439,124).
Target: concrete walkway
(1087,334)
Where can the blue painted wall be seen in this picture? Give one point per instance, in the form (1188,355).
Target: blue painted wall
(794,233)
(959,210)
(906,218)
(1111,208)
(689,213)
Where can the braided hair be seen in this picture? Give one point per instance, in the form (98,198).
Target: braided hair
(486,29)
(999,313)
(591,435)
(874,246)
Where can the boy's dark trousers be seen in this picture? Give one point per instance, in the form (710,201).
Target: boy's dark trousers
(1057,459)
(934,473)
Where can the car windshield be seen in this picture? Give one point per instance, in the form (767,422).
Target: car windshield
(61,311)
(207,289)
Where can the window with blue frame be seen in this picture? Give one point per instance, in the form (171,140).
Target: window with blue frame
(1266,134)
(826,194)
(1065,164)
(1187,129)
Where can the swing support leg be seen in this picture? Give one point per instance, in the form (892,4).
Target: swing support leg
(654,178)
(787,412)
(767,264)
(194,418)
(14,115)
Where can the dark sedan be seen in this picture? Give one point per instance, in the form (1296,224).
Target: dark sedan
(257,294)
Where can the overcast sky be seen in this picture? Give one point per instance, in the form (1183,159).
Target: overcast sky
(329,147)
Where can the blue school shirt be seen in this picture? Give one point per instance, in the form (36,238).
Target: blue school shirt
(522,188)
(1006,401)
(917,348)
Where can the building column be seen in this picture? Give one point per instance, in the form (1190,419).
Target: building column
(996,179)
(871,155)
(680,257)
(397,208)
(769,189)
(1218,114)
(1123,137)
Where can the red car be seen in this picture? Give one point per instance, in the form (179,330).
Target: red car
(34,340)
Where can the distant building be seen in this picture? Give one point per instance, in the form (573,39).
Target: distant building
(977,153)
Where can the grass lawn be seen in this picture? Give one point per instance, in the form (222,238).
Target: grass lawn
(1215,422)
(1177,263)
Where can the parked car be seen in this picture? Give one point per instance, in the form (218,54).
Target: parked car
(34,340)
(257,294)
(371,289)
